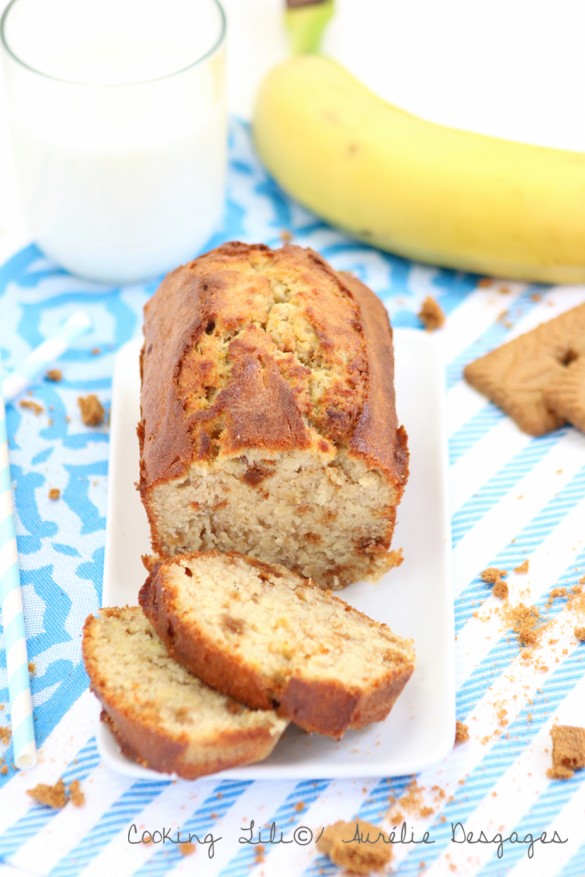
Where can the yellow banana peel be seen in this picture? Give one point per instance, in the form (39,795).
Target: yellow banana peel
(421,190)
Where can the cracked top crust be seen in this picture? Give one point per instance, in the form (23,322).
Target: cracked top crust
(248,347)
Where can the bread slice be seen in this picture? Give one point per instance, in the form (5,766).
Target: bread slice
(272,639)
(161,715)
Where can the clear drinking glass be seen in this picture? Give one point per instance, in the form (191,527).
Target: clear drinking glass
(119,129)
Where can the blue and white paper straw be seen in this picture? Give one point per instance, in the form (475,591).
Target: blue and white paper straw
(23,735)
(45,354)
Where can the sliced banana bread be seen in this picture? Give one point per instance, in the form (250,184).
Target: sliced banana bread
(268,398)
(272,639)
(162,715)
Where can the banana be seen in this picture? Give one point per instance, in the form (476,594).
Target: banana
(421,190)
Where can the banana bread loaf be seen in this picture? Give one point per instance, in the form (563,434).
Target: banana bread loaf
(272,639)
(161,715)
(268,422)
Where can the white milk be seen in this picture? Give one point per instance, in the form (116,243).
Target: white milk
(121,166)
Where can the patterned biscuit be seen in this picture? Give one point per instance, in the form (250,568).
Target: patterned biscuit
(565,395)
(516,375)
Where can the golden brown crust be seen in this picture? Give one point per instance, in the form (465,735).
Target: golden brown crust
(376,436)
(142,738)
(327,707)
(197,404)
(220,671)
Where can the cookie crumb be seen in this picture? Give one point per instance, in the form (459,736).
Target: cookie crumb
(525,622)
(568,751)
(300,806)
(32,667)
(358,846)
(187,848)
(461,733)
(580,634)
(92,410)
(76,796)
(500,589)
(95,351)
(5,735)
(431,314)
(50,796)
(523,568)
(492,574)
(54,493)
(259,854)
(285,236)
(31,405)
(55,375)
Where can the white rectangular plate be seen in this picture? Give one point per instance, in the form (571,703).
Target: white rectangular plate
(415,599)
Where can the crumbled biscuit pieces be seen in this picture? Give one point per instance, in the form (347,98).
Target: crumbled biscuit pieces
(492,574)
(580,634)
(31,405)
(517,375)
(461,733)
(57,796)
(55,375)
(358,846)
(51,796)
(431,314)
(76,796)
(526,624)
(92,410)
(523,568)
(187,848)
(5,735)
(54,493)
(500,589)
(495,577)
(568,752)
(565,395)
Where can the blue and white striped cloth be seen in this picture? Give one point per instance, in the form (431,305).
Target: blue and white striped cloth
(512,497)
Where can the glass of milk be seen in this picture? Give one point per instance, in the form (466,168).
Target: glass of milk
(119,124)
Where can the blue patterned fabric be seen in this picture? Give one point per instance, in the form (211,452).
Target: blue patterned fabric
(512,498)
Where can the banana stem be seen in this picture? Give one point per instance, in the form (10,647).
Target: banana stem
(305,21)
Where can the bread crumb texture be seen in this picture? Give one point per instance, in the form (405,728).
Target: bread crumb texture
(55,375)
(92,410)
(568,751)
(359,846)
(431,314)
(265,635)
(162,715)
(268,414)
(54,494)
